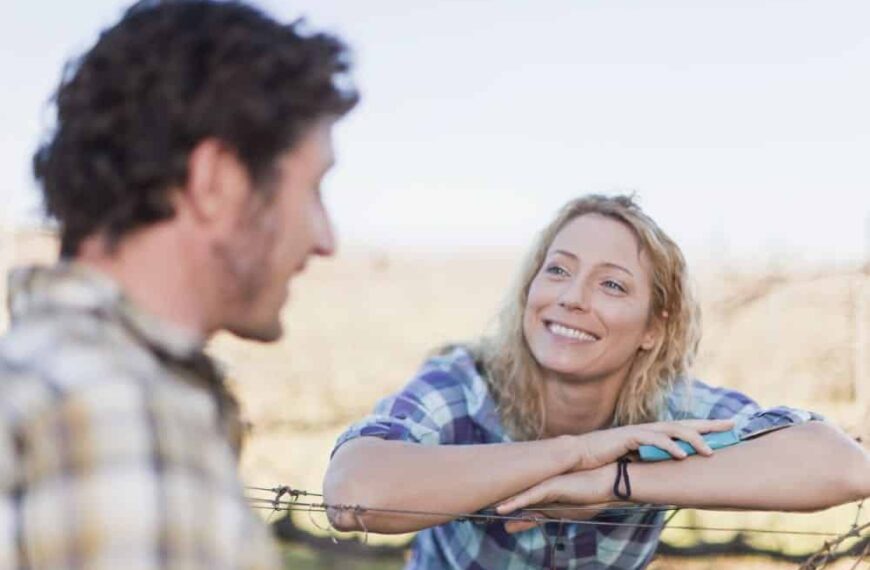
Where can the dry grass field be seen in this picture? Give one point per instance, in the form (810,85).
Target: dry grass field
(358,326)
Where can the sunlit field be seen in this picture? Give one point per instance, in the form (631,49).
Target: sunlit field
(357,326)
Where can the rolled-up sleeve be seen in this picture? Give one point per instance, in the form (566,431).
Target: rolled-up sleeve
(763,421)
(750,419)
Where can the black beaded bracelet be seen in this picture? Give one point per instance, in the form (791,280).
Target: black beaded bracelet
(622,479)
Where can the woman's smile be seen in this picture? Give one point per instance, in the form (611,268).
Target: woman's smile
(563,331)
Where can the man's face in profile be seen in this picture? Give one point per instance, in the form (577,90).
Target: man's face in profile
(276,236)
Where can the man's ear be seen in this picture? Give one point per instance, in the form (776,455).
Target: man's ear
(217,182)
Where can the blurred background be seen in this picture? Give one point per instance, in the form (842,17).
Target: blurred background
(742,126)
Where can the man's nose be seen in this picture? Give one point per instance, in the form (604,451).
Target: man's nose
(325,241)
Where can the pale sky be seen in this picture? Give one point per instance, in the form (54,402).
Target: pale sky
(743,125)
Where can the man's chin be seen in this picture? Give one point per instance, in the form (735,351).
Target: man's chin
(261,332)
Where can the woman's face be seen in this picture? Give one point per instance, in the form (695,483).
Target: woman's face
(587,313)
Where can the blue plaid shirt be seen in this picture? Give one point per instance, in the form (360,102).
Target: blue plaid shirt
(449,403)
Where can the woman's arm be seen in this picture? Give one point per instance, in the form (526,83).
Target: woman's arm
(802,468)
(442,478)
(380,474)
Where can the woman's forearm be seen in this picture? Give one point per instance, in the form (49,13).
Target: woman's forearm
(400,476)
(802,468)
(374,473)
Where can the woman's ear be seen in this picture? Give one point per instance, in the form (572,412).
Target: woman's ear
(648,341)
(654,331)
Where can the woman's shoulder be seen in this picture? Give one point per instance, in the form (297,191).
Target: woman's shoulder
(693,398)
(455,372)
(449,395)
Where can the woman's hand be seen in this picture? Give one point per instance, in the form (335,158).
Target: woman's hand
(591,481)
(605,446)
(582,488)
(552,511)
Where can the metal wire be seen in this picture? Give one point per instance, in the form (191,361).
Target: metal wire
(816,561)
(491,516)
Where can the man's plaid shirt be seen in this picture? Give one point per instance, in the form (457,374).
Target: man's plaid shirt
(115,438)
(449,403)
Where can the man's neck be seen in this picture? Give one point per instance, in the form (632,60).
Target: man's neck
(157,273)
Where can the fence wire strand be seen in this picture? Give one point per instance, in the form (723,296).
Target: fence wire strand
(275,501)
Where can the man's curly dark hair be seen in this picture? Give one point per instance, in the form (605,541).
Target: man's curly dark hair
(168,75)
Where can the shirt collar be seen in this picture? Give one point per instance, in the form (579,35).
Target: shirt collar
(70,286)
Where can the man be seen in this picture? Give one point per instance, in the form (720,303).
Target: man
(184,176)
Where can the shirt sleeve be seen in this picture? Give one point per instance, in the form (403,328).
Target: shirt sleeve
(121,475)
(432,409)
(750,419)
(8,554)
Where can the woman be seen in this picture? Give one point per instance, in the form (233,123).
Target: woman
(589,362)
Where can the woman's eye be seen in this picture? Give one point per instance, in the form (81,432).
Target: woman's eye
(615,285)
(556,270)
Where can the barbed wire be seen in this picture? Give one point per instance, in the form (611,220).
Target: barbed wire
(829,549)
(287,499)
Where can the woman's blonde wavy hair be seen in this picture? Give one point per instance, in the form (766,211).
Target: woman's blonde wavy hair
(516,378)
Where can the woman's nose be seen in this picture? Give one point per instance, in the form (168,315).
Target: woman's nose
(574,298)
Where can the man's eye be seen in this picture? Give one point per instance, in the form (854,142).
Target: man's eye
(615,285)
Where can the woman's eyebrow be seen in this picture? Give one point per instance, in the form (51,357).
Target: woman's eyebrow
(617,267)
(563,252)
(608,264)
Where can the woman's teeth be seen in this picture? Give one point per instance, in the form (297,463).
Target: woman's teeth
(561,330)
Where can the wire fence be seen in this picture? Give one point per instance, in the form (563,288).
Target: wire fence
(288,499)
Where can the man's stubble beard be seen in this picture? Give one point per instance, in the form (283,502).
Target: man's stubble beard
(246,266)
